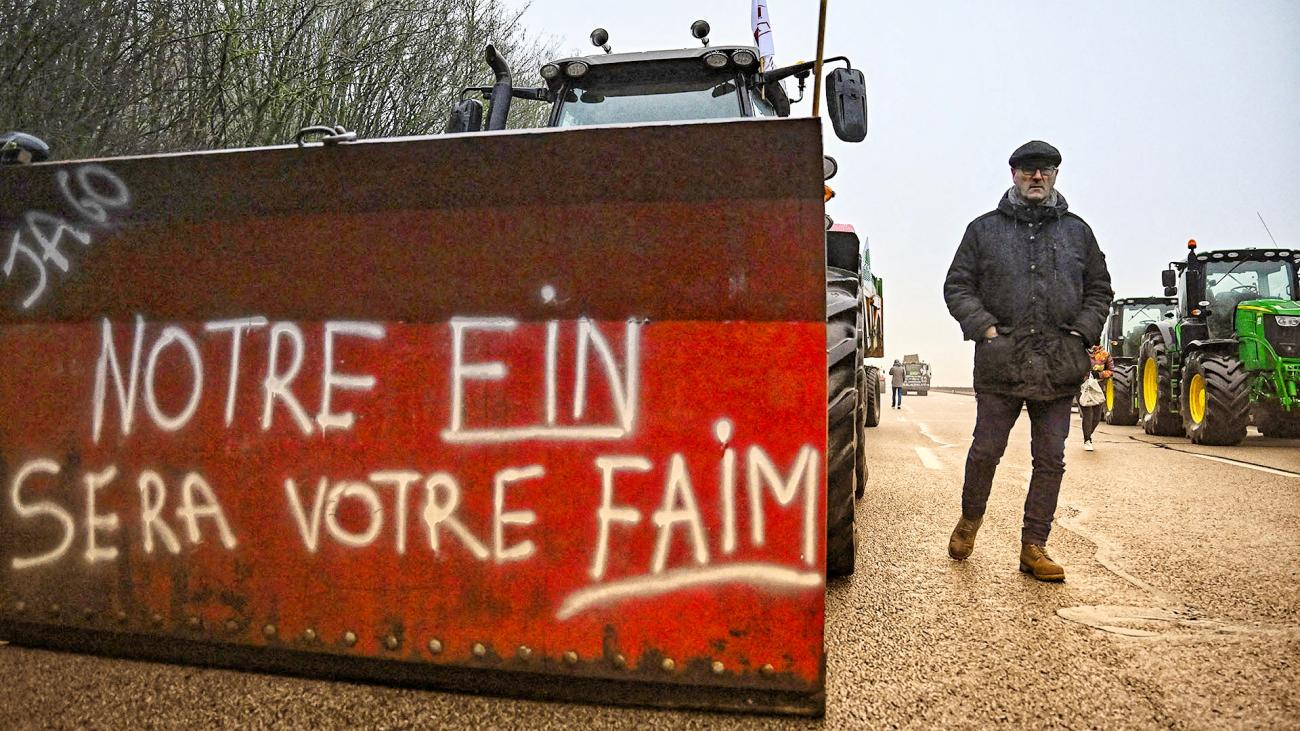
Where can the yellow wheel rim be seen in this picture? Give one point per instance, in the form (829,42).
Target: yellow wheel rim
(1110,395)
(1196,398)
(1150,385)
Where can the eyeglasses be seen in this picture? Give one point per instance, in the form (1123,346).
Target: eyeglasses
(1047,171)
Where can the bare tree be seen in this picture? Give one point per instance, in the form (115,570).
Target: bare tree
(96,77)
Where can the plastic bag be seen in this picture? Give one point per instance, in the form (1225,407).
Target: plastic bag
(1090,393)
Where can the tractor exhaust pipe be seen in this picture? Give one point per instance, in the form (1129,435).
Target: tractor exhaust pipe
(500,99)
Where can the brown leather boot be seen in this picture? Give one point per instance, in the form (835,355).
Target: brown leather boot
(962,541)
(1034,560)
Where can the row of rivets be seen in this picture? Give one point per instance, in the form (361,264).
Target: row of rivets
(391,642)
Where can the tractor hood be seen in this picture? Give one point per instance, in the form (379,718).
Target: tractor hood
(1272,307)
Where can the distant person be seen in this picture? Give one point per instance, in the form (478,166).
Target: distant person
(896,375)
(1029,285)
(1099,374)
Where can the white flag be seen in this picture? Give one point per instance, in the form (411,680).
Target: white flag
(761,23)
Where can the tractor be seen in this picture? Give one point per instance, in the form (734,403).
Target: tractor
(1125,328)
(1230,355)
(713,83)
(848,253)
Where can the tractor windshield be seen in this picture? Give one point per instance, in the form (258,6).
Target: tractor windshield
(659,92)
(1228,283)
(1248,280)
(1136,317)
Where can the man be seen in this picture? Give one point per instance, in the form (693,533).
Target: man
(1029,285)
(896,375)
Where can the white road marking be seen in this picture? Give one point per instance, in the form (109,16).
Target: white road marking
(1235,463)
(928,459)
(925,432)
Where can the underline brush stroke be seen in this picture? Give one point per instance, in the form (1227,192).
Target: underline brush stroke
(762,575)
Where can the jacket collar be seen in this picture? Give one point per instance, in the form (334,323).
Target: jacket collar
(1013,205)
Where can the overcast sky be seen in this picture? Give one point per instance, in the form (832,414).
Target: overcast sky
(1176,120)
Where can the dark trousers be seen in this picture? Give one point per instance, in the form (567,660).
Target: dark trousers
(1091,416)
(1049,427)
(898,396)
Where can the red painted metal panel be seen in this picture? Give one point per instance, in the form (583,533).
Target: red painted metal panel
(569,449)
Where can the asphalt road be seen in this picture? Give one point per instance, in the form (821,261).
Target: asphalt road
(1181,609)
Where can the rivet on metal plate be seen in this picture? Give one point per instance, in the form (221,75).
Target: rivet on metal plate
(20,607)
(668,665)
(55,609)
(269,630)
(767,669)
(619,661)
(232,625)
(121,616)
(435,646)
(391,642)
(718,667)
(571,657)
(194,622)
(479,650)
(88,612)
(524,652)
(349,638)
(156,618)
(309,634)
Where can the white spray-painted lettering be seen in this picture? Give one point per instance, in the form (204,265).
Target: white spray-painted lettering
(198,502)
(40,508)
(100,191)
(137,384)
(96,522)
(680,510)
(623,387)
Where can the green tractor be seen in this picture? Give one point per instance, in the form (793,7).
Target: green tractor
(1230,355)
(1125,327)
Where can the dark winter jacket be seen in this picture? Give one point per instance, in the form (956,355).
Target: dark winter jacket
(1036,273)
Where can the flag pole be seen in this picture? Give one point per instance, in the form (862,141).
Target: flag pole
(817,73)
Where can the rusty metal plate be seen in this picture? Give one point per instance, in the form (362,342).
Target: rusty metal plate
(534,414)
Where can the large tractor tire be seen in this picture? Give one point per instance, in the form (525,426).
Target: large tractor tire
(1155,394)
(1216,399)
(842,421)
(861,471)
(873,396)
(1119,397)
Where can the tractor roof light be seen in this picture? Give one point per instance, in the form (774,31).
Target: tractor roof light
(1191,243)
(576,69)
(715,59)
(1232,255)
(550,72)
(1217,255)
(743,59)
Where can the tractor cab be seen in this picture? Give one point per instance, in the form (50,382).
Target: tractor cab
(660,86)
(1128,321)
(690,84)
(1212,286)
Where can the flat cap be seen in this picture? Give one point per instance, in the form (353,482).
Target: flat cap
(1035,150)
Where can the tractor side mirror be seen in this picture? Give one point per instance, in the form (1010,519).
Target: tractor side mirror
(1169,279)
(846,104)
(1171,291)
(466,116)
(20,148)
